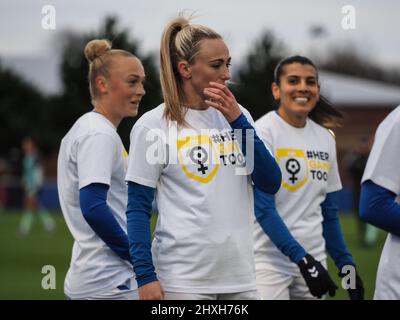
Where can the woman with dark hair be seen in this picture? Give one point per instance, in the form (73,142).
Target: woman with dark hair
(298,135)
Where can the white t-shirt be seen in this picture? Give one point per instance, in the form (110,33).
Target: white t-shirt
(92,152)
(307,158)
(203,238)
(383,169)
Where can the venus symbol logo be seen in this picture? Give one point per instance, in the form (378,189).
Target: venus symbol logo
(293,167)
(198,158)
(199,155)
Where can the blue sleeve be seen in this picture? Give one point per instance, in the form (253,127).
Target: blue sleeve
(378,207)
(99,216)
(266,174)
(332,232)
(138,215)
(273,225)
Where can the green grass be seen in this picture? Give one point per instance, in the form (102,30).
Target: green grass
(367,259)
(22,258)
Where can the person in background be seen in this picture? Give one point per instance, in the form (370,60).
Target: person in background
(356,165)
(32,182)
(3,188)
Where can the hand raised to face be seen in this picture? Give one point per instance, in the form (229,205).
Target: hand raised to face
(222,99)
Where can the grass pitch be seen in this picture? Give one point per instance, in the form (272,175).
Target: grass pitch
(23,257)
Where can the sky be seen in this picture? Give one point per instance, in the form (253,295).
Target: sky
(30,49)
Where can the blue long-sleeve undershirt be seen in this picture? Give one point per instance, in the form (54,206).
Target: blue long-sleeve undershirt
(99,216)
(378,207)
(273,225)
(266,174)
(138,215)
(332,232)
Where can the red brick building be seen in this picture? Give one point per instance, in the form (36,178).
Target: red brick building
(364,103)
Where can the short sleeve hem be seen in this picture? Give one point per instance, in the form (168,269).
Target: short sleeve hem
(140,180)
(91,180)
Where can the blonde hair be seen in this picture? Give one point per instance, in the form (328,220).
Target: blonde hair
(180,41)
(99,54)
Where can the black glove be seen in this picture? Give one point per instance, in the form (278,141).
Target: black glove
(317,277)
(357,292)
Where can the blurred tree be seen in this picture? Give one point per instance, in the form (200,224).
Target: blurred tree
(75,98)
(252,87)
(317,31)
(23,111)
(351,61)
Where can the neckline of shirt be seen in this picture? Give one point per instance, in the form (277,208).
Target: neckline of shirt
(289,125)
(199,110)
(105,118)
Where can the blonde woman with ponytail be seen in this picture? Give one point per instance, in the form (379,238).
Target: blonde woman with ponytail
(187,153)
(91,170)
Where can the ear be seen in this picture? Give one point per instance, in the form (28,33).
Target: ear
(276,92)
(184,69)
(101,84)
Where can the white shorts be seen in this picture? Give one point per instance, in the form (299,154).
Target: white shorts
(274,285)
(246,295)
(122,292)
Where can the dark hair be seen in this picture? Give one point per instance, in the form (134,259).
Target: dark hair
(323,113)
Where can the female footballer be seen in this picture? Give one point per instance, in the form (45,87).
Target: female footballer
(91,171)
(190,152)
(297,134)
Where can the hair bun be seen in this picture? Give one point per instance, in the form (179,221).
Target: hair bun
(96,48)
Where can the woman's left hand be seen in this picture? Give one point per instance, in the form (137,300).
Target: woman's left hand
(222,99)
